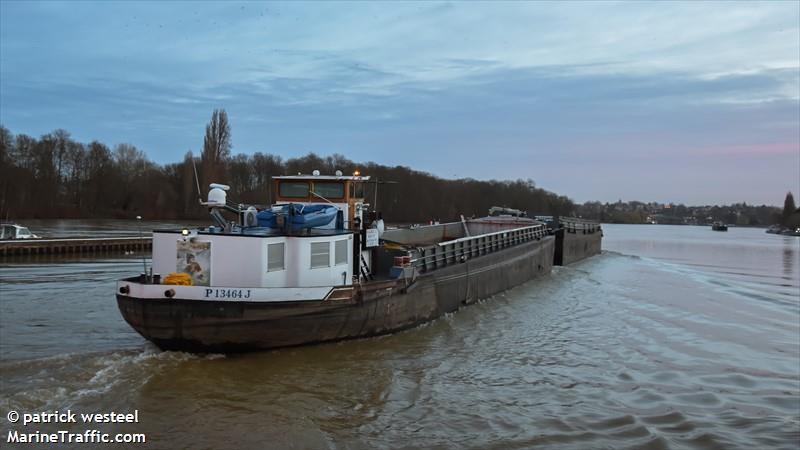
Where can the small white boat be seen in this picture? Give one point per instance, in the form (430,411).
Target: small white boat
(14,231)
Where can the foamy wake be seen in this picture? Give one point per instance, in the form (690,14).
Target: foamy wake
(62,381)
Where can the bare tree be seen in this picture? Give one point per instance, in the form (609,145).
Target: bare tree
(99,166)
(62,141)
(216,146)
(6,144)
(74,167)
(132,162)
(188,184)
(23,153)
(6,166)
(789,208)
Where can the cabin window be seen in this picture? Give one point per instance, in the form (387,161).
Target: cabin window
(340,253)
(329,190)
(320,254)
(357,190)
(293,189)
(275,254)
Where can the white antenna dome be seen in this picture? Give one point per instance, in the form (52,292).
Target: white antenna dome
(217,197)
(315,173)
(338,173)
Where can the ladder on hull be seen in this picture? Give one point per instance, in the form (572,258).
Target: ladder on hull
(365,271)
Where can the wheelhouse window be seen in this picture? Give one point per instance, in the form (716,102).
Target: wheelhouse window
(340,253)
(293,189)
(275,257)
(357,190)
(329,189)
(320,254)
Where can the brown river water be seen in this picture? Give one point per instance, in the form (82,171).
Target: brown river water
(675,337)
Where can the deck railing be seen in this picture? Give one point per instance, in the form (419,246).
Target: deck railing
(460,250)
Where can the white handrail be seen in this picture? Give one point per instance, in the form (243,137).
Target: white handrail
(532,227)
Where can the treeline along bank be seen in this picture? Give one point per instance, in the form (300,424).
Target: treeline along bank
(54,176)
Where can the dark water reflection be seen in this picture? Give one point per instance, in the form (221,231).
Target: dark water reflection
(676,337)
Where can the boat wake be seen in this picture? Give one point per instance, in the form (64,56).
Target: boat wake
(64,381)
(743,282)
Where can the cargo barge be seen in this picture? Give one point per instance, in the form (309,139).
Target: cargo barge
(317,267)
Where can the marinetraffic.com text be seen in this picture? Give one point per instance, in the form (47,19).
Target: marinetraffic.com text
(88,436)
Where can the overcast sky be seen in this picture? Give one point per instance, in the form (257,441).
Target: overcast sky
(697,103)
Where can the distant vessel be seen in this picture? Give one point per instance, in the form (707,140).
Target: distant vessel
(777,229)
(788,232)
(719,226)
(317,266)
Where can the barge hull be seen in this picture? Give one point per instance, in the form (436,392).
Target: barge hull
(575,245)
(374,308)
